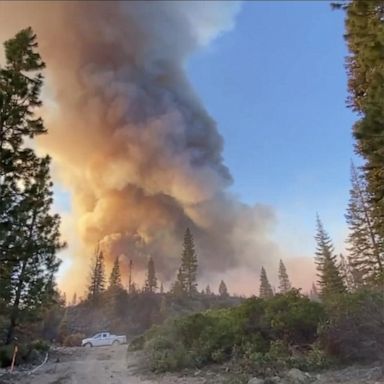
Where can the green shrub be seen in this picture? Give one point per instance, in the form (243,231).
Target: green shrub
(258,332)
(6,354)
(137,343)
(355,327)
(167,354)
(40,345)
(294,318)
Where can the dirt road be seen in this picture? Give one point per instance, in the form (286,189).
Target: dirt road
(112,365)
(103,365)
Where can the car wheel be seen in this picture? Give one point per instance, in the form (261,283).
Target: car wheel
(88,345)
(116,342)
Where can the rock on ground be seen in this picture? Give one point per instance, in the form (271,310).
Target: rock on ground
(256,380)
(295,376)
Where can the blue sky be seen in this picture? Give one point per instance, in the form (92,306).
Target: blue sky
(276,86)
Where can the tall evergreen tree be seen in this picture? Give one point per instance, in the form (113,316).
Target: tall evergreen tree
(151,280)
(265,291)
(29,232)
(101,273)
(223,290)
(330,280)
(115,277)
(208,291)
(131,284)
(97,276)
(365,40)
(186,277)
(284,283)
(364,242)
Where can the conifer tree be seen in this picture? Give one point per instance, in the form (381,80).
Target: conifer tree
(179,285)
(101,273)
(177,289)
(364,242)
(131,284)
(284,283)
(365,40)
(186,277)
(97,277)
(265,291)
(151,280)
(330,280)
(115,277)
(161,288)
(223,290)
(208,291)
(29,232)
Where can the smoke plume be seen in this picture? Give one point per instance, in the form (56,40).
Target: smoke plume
(132,141)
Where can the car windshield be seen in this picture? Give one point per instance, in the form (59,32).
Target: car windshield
(97,336)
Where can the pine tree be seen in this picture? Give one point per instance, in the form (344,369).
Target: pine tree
(364,250)
(115,277)
(151,280)
(208,291)
(186,277)
(365,40)
(284,283)
(161,288)
(223,291)
(131,285)
(330,280)
(101,273)
(179,285)
(265,291)
(29,232)
(97,276)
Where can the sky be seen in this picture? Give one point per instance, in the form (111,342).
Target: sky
(276,86)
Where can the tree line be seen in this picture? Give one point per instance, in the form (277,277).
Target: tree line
(185,284)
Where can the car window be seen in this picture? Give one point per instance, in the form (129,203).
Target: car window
(105,335)
(97,336)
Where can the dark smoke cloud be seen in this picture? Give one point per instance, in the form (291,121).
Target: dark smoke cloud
(130,138)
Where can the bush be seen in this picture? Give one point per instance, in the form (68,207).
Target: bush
(355,327)
(137,343)
(26,353)
(73,340)
(6,352)
(40,345)
(294,318)
(258,331)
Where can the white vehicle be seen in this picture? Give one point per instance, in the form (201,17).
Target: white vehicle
(103,339)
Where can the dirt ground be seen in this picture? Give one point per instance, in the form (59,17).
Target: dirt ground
(103,365)
(114,365)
